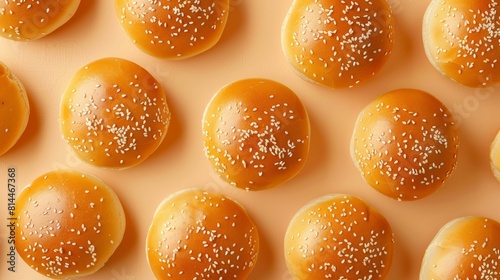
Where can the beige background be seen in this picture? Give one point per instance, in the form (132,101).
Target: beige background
(250,47)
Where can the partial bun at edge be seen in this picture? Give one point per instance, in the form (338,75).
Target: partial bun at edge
(31,20)
(464,248)
(460,40)
(14,109)
(69,224)
(338,236)
(336,44)
(173,29)
(196,234)
(495,156)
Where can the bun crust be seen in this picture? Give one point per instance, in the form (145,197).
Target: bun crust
(338,237)
(173,29)
(14,109)
(201,235)
(29,20)
(464,248)
(405,143)
(69,224)
(114,113)
(461,40)
(338,44)
(256,134)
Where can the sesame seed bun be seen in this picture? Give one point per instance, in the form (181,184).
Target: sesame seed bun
(114,114)
(338,237)
(338,44)
(173,29)
(464,248)
(68,225)
(461,40)
(29,20)
(14,109)
(196,234)
(405,143)
(495,156)
(256,134)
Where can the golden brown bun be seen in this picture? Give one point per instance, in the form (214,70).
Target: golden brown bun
(14,109)
(201,235)
(256,134)
(464,248)
(461,40)
(405,143)
(68,225)
(495,156)
(338,237)
(28,20)
(173,29)
(114,113)
(336,43)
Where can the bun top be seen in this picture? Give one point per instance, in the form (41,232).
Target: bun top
(201,235)
(464,248)
(337,43)
(14,109)
(256,134)
(68,225)
(338,237)
(461,40)
(405,143)
(173,29)
(25,20)
(114,113)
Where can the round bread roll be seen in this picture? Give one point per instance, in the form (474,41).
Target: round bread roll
(26,20)
(256,134)
(338,237)
(14,109)
(173,29)
(461,40)
(405,143)
(201,235)
(495,156)
(338,44)
(68,225)
(465,248)
(114,113)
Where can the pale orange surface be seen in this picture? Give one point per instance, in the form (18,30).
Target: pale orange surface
(250,47)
